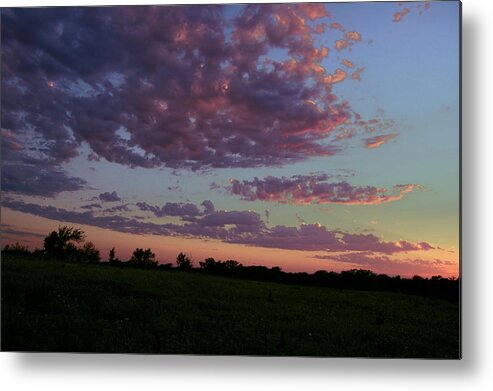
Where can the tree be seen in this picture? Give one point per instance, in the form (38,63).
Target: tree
(208,264)
(143,258)
(60,243)
(231,264)
(16,248)
(111,258)
(183,262)
(89,254)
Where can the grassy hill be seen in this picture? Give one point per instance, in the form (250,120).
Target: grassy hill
(54,306)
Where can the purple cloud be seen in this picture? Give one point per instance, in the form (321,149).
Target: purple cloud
(314,189)
(172,209)
(190,89)
(91,206)
(316,237)
(241,227)
(38,179)
(109,197)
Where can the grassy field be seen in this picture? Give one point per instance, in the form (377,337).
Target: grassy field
(53,306)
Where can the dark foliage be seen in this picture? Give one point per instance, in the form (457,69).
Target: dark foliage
(16,248)
(52,306)
(60,245)
(183,262)
(145,259)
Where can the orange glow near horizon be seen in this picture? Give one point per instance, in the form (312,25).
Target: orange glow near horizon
(167,247)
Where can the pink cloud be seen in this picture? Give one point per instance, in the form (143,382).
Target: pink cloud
(241,227)
(356,75)
(347,63)
(176,86)
(336,26)
(353,36)
(399,15)
(315,189)
(338,76)
(378,141)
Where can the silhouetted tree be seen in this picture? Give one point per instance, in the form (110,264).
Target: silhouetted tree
(111,257)
(143,258)
(231,264)
(16,248)
(88,254)
(60,244)
(208,264)
(183,262)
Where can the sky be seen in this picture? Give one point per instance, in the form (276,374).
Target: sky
(306,136)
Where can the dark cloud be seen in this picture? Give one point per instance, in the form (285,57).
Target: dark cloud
(118,208)
(109,197)
(241,227)
(91,206)
(180,209)
(209,206)
(180,86)
(314,189)
(38,180)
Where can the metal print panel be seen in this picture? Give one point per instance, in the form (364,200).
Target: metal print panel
(242,179)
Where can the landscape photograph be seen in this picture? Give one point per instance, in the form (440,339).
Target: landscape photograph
(233,179)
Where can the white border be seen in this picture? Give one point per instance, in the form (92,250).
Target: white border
(473,372)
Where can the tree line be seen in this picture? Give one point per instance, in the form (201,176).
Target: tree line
(67,245)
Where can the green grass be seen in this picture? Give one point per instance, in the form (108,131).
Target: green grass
(53,306)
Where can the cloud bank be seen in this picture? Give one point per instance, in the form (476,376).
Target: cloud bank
(181,86)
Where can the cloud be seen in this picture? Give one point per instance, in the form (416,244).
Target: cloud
(91,206)
(380,263)
(353,36)
(174,209)
(315,237)
(347,63)
(378,141)
(399,15)
(109,197)
(341,44)
(209,207)
(356,75)
(118,208)
(189,88)
(240,227)
(38,180)
(338,76)
(337,26)
(314,189)
(9,230)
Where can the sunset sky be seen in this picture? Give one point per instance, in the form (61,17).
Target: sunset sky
(305,136)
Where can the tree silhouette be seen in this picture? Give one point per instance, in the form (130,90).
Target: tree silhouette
(231,264)
(60,244)
(208,264)
(88,254)
(112,258)
(143,258)
(183,262)
(16,248)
